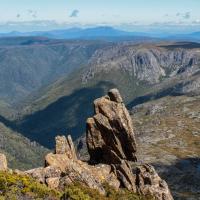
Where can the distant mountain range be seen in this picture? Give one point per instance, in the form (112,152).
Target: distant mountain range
(77,33)
(102,32)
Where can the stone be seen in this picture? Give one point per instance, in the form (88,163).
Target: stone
(65,146)
(109,133)
(57,160)
(41,173)
(105,174)
(125,175)
(37,173)
(3,163)
(149,183)
(82,173)
(68,169)
(53,183)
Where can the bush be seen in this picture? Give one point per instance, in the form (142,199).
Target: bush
(13,186)
(16,187)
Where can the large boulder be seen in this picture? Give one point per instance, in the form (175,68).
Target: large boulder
(109,133)
(3,163)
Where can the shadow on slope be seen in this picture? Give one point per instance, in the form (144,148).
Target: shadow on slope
(65,116)
(183,177)
(172,91)
(8,123)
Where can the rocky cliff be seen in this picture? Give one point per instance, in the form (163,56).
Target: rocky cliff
(146,62)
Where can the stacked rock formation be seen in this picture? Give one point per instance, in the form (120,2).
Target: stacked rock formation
(111,140)
(110,136)
(112,147)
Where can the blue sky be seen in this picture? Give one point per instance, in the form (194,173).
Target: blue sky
(123,13)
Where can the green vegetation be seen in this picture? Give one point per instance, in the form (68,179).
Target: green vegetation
(16,187)
(79,192)
(20,152)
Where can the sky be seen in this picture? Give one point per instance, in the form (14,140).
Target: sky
(26,15)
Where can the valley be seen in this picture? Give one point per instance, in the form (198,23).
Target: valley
(47,88)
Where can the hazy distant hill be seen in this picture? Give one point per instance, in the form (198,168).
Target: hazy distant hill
(78,33)
(106,33)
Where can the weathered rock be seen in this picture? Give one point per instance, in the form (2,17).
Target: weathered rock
(149,183)
(106,175)
(124,173)
(3,163)
(57,160)
(110,136)
(41,174)
(81,172)
(53,183)
(65,146)
(73,170)
(110,139)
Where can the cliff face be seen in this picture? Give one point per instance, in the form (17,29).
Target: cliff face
(149,63)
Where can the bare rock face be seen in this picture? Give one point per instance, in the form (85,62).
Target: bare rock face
(63,168)
(3,163)
(110,137)
(65,146)
(149,183)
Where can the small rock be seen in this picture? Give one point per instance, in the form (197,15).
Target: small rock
(65,146)
(53,183)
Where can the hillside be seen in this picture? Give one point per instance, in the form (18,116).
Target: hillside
(141,72)
(28,63)
(21,152)
(168,134)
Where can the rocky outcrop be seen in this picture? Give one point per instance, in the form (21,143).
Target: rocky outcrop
(3,162)
(112,147)
(149,183)
(110,137)
(63,168)
(65,146)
